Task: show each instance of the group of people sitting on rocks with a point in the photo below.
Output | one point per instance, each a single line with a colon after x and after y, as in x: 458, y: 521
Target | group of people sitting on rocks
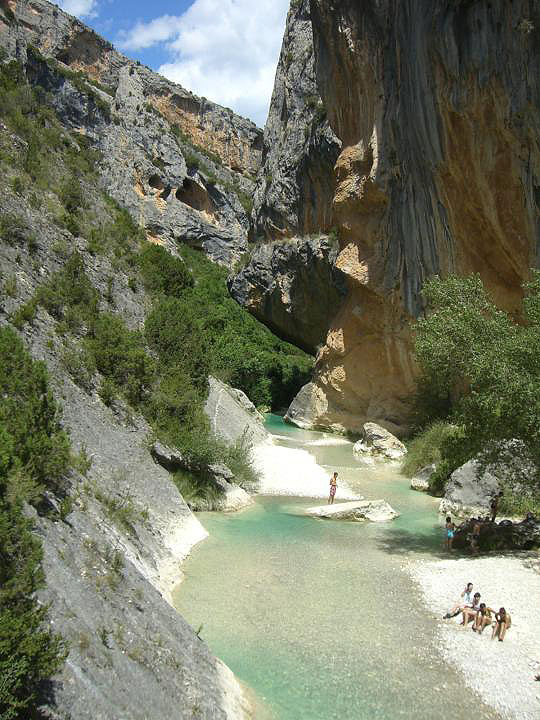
x: 481, y: 616
x: 476, y: 526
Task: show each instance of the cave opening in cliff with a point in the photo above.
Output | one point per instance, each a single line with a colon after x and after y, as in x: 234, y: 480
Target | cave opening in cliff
x: 194, y: 195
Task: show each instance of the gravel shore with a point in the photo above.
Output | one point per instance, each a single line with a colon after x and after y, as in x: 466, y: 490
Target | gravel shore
x: 501, y: 673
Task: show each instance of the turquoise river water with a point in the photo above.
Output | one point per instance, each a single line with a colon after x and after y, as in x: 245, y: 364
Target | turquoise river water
x: 320, y: 618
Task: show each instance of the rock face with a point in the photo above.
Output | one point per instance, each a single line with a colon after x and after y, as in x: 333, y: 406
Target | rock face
x: 410, y: 89
x: 469, y: 490
x: 232, y: 415
x: 177, y: 162
x: 378, y: 442
x: 110, y: 574
x: 294, y: 287
x: 295, y: 184
x: 421, y: 480
x: 373, y: 510
x: 472, y: 486
x: 505, y: 535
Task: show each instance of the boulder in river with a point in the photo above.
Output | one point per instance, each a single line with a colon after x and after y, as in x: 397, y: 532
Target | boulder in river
x: 373, y: 510
x: 232, y: 415
x: 469, y: 490
x: 421, y: 480
x: 379, y: 442
x: 505, y: 535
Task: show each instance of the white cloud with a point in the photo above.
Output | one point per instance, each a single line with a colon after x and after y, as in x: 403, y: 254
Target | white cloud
x: 226, y: 50
x: 79, y: 8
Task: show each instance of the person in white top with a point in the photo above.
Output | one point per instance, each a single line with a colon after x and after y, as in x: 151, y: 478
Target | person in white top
x: 466, y: 602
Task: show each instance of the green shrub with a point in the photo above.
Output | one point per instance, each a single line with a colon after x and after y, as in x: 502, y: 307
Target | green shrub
x: 13, y: 229
x: 69, y: 295
x: 427, y: 447
x: 238, y: 459
x: 10, y: 286
x: 120, y: 355
x: 198, y: 491
x: 480, y: 369
x: 34, y: 453
x: 162, y: 272
x: 24, y: 313
x: 30, y: 415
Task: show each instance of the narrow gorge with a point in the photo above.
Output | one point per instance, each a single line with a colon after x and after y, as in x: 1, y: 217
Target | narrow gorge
x: 202, y: 320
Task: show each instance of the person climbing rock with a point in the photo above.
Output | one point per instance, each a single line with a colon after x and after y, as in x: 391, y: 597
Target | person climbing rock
x: 475, y: 535
x: 333, y: 488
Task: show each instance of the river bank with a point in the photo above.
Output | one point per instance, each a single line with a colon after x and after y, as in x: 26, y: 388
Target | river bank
x: 501, y: 673
x: 321, y: 618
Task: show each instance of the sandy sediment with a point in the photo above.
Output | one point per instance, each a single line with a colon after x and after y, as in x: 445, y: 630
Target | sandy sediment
x: 502, y: 673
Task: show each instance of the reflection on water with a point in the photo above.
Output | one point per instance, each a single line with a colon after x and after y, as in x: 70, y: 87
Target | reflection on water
x: 317, y: 616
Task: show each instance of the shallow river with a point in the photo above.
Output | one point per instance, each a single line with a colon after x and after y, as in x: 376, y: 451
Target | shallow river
x: 319, y: 618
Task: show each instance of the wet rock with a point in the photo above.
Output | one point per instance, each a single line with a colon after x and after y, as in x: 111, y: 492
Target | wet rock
x: 421, y: 480
x: 373, y: 510
x: 505, y: 535
x: 379, y: 442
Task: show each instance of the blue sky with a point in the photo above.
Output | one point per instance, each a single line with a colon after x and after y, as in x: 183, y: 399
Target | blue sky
x: 221, y: 49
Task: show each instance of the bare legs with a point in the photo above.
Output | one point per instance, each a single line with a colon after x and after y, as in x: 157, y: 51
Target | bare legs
x: 499, y: 630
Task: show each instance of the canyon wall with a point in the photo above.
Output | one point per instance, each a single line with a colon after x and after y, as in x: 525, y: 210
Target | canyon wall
x: 181, y: 165
x: 436, y: 107
x: 290, y: 280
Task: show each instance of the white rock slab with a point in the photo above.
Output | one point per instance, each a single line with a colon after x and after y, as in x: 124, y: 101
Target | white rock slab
x: 373, y: 510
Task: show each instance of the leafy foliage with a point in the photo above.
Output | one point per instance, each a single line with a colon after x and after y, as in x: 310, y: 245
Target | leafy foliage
x: 427, y: 447
x: 34, y: 453
x: 120, y: 355
x: 480, y: 369
x: 163, y: 273
x: 243, y: 352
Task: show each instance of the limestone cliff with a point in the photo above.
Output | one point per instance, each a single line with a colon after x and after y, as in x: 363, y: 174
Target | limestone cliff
x: 290, y: 281
x: 436, y: 106
x: 295, y: 184
x: 180, y: 164
x: 294, y: 287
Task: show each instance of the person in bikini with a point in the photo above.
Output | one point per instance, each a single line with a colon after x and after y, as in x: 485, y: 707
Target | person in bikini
x: 502, y: 623
x: 333, y: 488
x: 450, y: 529
x: 483, y: 618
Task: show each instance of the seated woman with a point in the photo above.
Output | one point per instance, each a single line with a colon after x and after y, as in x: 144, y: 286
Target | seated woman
x: 503, y: 621
x: 483, y: 618
x: 469, y: 613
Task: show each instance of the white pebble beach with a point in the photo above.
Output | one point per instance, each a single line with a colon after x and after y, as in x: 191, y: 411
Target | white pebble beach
x: 502, y: 673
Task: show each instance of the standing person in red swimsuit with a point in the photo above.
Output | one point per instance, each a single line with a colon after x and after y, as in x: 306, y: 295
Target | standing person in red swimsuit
x: 333, y: 488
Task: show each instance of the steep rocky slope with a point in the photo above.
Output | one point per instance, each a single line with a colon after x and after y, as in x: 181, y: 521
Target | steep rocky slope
x: 179, y: 163
x: 76, y: 152
x: 436, y: 106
